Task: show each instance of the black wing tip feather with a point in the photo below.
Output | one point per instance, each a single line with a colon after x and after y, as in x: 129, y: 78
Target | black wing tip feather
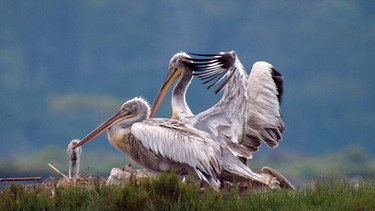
x: 212, y: 67
x: 223, y: 59
x: 203, y: 54
x: 279, y: 81
x: 213, y: 54
x: 254, y: 144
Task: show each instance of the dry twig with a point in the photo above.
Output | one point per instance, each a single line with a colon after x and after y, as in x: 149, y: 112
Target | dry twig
x: 62, y: 174
x: 19, y: 179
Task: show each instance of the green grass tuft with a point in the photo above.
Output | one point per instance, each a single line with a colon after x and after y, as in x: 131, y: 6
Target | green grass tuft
x: 167, y: 192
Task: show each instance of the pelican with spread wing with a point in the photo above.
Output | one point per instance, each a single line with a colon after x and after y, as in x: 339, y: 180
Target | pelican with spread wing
x: 249, y: 110
x: 171, y: 145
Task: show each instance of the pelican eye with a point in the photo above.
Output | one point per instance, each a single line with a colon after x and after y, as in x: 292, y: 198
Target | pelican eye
x: 129, y: 108
x: 125, y: 107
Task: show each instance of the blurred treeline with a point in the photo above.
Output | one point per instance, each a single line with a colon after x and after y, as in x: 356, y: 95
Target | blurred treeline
x: 65, y: 66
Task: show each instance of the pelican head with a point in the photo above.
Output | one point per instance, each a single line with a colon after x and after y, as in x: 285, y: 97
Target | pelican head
x: 134, y: 110
x: 177, y: 70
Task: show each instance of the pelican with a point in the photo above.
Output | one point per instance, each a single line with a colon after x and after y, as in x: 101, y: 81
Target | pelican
x: 248, y: 111
x: 74, y: 158
x: 171, y: 145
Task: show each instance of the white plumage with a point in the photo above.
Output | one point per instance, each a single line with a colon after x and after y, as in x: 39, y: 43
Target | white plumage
x: 171, y: 145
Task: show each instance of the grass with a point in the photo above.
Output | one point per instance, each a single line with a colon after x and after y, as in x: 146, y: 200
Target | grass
x: 166, y: 192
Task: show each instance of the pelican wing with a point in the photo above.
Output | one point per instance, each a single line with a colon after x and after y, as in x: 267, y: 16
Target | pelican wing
x: 225, y: 120
x: 252, y: 101
x: 181, y: 143
x: 264, y: 118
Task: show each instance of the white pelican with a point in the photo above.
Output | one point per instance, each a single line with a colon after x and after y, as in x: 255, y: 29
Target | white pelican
x: 170, y: 145
x: 249, y: 109
x: 74, y: 158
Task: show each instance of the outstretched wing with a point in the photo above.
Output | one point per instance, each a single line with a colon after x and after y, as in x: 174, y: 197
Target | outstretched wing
x: 181, y: 143
x: 252, y: 101
x: 225, y: 121
x: 264, y: 118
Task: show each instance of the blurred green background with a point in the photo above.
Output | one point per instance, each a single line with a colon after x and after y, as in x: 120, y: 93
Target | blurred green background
x: 65, y: 66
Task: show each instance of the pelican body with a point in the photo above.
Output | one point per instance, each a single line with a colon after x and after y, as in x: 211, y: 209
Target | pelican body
x: 248, y: 111
x: 171, y: 145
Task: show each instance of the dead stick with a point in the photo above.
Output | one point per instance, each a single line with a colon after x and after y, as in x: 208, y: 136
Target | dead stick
x: 50, y: 165
x: 20, y: 179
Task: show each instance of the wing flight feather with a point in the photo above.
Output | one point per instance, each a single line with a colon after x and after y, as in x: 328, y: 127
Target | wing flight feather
x: 179, y: 142
x: 264, y: 121
x: 226, y: 119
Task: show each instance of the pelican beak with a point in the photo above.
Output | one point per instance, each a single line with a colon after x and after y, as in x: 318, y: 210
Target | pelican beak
x: 117, y: 117
x: 173, y: 74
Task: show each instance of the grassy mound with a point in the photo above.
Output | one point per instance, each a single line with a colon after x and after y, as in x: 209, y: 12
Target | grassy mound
x: 166, y: 192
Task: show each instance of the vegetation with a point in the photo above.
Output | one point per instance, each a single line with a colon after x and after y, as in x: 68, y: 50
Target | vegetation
x: 167, y: 193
